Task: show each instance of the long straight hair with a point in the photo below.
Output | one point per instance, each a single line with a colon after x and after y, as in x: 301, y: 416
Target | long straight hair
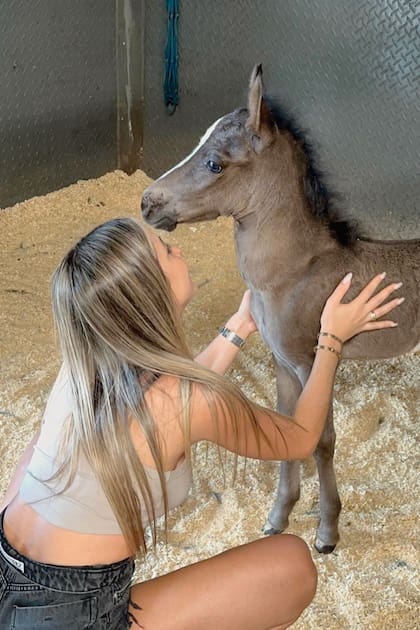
x: 118, y: 324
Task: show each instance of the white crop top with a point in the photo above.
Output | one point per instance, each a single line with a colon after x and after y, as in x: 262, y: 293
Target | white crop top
x: 83, y: 507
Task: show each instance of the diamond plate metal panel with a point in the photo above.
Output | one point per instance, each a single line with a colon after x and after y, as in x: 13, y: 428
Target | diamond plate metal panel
x: 348, y: 70
x: 386, y: 37
x: 58, y: 94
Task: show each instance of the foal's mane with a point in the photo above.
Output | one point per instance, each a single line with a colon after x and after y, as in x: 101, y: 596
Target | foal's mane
x: 322, y: 200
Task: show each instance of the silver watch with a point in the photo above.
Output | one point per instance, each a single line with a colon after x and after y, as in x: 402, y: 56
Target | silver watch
x: 232, y: 337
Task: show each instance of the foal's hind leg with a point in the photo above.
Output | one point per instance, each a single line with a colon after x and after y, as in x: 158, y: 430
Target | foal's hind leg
x: 329, y: 501
x: 288, y: 490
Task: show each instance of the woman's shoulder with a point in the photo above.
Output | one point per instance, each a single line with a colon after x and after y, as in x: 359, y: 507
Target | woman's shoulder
x: 167, y: 407
x: 163, y: 395
x: 164, y: 403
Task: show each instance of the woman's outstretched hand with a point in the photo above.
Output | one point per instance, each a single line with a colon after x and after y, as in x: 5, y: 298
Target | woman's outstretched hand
x: 362, y: 313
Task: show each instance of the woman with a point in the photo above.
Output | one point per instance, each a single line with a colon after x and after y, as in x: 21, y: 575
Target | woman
x: 113, y: 451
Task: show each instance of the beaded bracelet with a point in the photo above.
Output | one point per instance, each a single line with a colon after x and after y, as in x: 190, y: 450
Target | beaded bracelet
x: 327, y: 334
x: 330, y: 348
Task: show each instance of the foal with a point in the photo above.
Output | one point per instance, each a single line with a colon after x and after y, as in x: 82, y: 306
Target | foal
x: 292, y: 249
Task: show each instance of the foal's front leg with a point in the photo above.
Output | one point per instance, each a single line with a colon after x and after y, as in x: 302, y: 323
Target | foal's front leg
x: 329, y: 500
x: 289, y: 386
x: 288, y: 490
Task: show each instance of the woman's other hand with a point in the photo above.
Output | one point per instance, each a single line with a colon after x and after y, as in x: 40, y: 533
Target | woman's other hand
x: 244, y: 312
x: 363, y: 313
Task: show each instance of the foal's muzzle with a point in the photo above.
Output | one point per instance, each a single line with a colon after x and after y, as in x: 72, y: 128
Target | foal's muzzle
x: 156, y: 212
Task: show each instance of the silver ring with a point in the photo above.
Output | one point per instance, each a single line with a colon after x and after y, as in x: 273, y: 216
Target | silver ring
x: 372, y: 316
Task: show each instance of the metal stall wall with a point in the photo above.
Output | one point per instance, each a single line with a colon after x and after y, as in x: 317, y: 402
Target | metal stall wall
x: 349, y: 71
x: 58, y: 94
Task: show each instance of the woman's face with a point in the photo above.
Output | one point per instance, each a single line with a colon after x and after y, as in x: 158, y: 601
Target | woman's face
x: 175, y: 269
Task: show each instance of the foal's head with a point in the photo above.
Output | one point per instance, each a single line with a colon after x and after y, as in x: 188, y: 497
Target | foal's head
x: 251, y: 160
x: 220, y: 177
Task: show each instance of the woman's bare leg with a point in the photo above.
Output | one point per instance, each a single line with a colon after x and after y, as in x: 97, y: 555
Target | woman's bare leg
x: 264, y: 585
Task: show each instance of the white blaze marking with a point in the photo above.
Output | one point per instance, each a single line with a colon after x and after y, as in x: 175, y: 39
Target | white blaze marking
x: 200, y: 144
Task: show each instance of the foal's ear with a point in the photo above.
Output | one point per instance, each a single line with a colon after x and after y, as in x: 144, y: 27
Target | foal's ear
x: 259, y: 120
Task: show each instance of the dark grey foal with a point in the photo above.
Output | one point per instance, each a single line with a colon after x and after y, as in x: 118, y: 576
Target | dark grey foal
x: 292, y: 249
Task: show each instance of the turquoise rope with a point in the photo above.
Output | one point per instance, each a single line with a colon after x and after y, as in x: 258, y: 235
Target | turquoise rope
x: 170, y: 87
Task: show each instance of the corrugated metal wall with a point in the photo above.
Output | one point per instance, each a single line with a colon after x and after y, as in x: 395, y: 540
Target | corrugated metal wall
x: 58, y: 94
x: 348, y: 70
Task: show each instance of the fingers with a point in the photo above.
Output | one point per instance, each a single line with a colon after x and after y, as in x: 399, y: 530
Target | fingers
x: 341, y: 289
x: 380, y: 297
x: 246, y: 301
x: 379, y: 312
x: 363, y: 312
x: 376, y: 309
x: 378, y: 325
x: 366, y: 293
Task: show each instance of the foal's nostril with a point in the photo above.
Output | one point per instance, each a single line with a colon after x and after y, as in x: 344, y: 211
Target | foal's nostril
x: 146, y: 206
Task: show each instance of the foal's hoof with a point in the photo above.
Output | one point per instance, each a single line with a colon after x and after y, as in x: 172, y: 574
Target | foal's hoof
x: 269, y: 530
x: 322, y: 547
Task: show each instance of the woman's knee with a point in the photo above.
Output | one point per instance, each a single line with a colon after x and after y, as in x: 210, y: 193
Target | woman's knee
x: 296, y: 562
x: 302, y: 566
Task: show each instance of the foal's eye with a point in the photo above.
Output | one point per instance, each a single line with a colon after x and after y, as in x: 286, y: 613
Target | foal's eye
x: 213, y: 166
x: 168, y: 248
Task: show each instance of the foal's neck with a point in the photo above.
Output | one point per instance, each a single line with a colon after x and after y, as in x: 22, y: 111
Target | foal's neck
x: 280, y: 217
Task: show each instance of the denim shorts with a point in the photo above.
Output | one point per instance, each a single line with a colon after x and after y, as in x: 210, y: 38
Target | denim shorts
x: 36, y: 596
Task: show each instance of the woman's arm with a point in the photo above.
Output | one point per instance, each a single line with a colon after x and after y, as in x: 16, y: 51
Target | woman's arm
x: 19, y: 473
x: 280, y: 437
x: 277, y: 436
x: 220, y: 353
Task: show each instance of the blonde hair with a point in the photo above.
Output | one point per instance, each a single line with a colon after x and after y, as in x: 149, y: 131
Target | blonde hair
x: 117, y: 324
